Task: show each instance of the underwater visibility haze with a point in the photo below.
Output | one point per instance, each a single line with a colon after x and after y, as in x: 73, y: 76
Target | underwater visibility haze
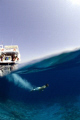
x: 59, y: 101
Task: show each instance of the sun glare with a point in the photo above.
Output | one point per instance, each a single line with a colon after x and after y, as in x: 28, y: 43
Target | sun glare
x: 75, y: 2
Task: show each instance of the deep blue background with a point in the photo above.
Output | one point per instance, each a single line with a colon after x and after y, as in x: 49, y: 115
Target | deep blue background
x: 62, y: 83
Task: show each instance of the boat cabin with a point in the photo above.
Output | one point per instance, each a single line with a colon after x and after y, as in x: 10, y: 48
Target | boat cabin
x: 9, y: 54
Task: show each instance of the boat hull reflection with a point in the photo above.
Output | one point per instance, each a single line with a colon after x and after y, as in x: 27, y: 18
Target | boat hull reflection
x: 7, y: 69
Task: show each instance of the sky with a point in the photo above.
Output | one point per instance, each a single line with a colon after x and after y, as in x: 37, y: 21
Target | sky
x: 40, y: 27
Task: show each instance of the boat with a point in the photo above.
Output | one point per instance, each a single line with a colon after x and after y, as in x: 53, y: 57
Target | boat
x: 9, y: 55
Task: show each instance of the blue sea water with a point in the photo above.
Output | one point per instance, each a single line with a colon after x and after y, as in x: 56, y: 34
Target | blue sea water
x: 60, y: 101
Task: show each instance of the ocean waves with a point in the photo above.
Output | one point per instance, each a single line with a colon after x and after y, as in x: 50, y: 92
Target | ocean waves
x: 63, y: 60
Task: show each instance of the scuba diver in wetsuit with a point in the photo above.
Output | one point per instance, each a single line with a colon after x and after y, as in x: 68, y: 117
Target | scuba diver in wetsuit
x: 40, y: 88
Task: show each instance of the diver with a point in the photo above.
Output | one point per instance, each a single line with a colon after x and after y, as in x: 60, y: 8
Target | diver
x: 40, y: 88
